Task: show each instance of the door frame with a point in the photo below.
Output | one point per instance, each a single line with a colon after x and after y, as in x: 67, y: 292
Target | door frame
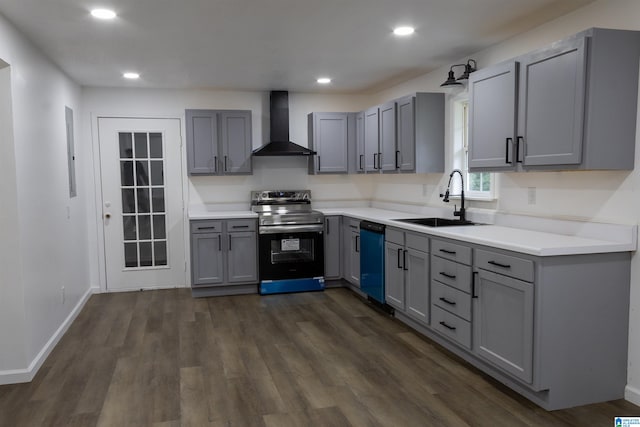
x: 96, y: 212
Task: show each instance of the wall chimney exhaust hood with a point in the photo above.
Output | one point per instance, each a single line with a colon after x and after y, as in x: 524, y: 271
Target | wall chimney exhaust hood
x: 279, y: 144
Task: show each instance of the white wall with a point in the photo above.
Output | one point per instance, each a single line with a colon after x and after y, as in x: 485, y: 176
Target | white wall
x: 48, y: 239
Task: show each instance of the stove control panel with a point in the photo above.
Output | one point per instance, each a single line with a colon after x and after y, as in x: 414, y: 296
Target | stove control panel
x: 281, y: 196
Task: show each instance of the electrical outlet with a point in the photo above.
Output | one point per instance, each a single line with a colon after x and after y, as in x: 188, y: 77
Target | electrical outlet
x: 62, y: 296
x: 531, y: 195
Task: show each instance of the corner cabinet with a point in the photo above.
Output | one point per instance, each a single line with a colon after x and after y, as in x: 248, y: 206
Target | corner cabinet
x: 558, y: 107
x: 329, y: 136
x: 218, y: 142
x: 224, y: 257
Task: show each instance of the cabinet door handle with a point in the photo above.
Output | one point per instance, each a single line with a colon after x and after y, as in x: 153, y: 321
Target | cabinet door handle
x: 404, y: 260
x: 448, y: 252
x: 357, y: 244
x: 473, y: 284
x: 219, y: 242
x: 379, y: 160
x: 206, y: 228
x: 319, y: 167
x: 449, y: 276
x: 215, y: 164
x: 326, y: 221
x: 374, y: 160
x: 497, y: 264
x: 518, y: 140
x: 446, y: 301
x: 451, y: 328
x: 361, y: 159
x: 229, y: 242
x: 397, y: 163
x: 399, y: 260
x: 506, y: 150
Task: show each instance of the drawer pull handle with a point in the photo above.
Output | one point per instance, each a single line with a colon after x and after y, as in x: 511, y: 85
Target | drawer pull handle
x: 448, y: 252
x: 239, y: 226
x: 446, y: 301
x: 497, y: 264
x: 206, y: 228
x: 451, y: 328
x: 448, y: 276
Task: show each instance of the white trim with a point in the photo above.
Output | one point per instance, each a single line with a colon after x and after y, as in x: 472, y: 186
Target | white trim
x: 632, y: 394
x: 15, y: 376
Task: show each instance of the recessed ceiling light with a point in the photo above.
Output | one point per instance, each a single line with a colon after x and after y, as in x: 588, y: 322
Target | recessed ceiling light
x: 131, y: 75
x: 403, y: 31
x: 324, y: 80
x: 103, y: 13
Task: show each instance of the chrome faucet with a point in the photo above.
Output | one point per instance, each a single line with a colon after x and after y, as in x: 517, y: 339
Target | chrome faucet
x: 445, y: 196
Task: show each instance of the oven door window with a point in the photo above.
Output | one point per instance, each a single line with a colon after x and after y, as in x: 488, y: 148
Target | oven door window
x: 292, y: 249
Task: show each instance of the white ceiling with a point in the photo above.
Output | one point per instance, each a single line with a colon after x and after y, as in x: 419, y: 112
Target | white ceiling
x: 269, y: 44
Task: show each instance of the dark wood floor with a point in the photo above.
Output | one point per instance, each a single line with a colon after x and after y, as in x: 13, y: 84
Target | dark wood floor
x: 162, y: 358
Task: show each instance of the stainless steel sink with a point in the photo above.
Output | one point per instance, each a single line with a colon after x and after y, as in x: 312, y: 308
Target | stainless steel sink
x: 436, y: 222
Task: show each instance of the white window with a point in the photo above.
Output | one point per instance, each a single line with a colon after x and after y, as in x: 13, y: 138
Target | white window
x: 478, y: 185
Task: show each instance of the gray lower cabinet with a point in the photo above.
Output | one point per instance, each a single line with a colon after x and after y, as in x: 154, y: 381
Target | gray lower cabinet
x: 553, y: 108
x: 218, y: 142
x: 351, y: 250
x: 332, y: 243
x: 223, y: 252
x: 329, y: 137
x: 407, y: 273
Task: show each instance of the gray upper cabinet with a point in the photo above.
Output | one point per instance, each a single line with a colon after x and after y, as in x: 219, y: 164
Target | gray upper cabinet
x: 235, y: 131
x: 492, y: 117
x: 219, y: 142
x: 406, y: 136
x: 371, y: 140
x: 329, y: 137
x: 387, y: 153
x: 358, y: 151
x: 573, y: 99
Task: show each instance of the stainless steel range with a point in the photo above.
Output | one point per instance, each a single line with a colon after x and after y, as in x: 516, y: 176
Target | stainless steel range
x: 290, y: 241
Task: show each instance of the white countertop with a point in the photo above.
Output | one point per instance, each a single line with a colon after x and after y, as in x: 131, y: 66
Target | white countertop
x: 512, y: 238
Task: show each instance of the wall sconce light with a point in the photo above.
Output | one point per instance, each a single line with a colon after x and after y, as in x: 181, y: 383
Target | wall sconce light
x: 468, y: 69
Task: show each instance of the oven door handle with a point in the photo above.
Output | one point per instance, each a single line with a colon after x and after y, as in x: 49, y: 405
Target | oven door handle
x: 301, y: 228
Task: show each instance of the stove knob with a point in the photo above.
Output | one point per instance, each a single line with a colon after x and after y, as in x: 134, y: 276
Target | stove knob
x: 264, y: 195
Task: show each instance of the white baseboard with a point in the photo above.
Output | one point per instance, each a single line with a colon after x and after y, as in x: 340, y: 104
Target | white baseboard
x: 632, y: 394
x: 15, y: 376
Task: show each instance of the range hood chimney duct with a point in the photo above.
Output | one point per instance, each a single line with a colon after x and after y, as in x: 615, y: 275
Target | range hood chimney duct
x: 279, y: 144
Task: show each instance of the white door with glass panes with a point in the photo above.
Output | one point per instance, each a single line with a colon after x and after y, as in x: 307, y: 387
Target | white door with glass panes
x: 142, y: 213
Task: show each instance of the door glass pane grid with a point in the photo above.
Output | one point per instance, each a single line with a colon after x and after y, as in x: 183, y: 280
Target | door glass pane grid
x: 143, y: 199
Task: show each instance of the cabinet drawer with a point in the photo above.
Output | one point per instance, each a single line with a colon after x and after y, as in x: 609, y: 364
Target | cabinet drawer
x: 451, y: 273
x: 452, y: 251
x: 451, y: 326
x: 394, y: 236
x: 206, y: 226
x: 417, y: 241
x: 451, y: 299
x: 241, y: 225
x: 352, y: 223
x: 508, y: 265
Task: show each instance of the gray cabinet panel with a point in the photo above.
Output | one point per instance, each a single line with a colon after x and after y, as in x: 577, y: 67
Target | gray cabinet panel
x: 371, y: 138
x: 329, y: 137
x: 451, y: 299
x: 394, y: 275
x: 406, y: 126
x: 242, y: 254
x: 218, y: 142
x: 453, y: 251
x: 332, y: 252
x: 451, y: 273
x: 202, y: 141
x: 387, y: 137
x: 417, y: 284
x: 492, y: 117
x: 207, y: 261
x: 359, y: 143
x: 509, y: 265
x: 503, y: 323
x: 351, y: 250
x: 551, y: 111
x: 451, y: 326
x: 236, y: 142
